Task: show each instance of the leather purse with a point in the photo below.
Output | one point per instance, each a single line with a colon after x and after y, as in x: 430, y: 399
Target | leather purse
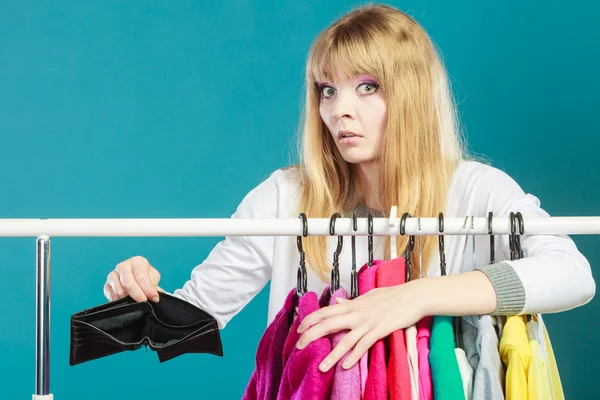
x: 171, y: 327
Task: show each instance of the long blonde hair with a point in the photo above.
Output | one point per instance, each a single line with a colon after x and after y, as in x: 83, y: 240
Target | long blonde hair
x: 421, y: 146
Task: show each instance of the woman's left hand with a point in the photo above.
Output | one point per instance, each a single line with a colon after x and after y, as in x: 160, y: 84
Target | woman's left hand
x: 368, y: 318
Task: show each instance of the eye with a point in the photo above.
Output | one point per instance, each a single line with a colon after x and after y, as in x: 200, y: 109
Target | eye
x: 327, y: 91
x: 368, y: 88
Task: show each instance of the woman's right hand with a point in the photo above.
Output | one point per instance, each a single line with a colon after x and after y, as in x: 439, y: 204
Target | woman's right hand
x: 134, y: 277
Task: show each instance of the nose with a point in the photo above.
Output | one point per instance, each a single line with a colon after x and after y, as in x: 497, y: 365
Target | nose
x: 343, y: 107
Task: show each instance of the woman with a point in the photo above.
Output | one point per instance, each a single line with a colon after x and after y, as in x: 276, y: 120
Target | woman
x: 379, y: 130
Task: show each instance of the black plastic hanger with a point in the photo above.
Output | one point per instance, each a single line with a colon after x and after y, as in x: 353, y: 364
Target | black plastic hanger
x: 410, y: 248
x: 354, y: 274
x: 301, y: 282
x: 442, y: 252
x: 335, y: 271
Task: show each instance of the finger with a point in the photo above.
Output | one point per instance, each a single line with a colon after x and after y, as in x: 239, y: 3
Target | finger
x: 322, y: 314
x: 109, y: 293
x: 325, y: 327
x: 363, y: 345
x: 343, y: 347
x: 129, y: 283
x: 141, y: 272
x: 114, y: 282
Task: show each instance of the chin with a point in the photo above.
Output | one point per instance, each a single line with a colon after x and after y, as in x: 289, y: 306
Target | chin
x: 356, y: 156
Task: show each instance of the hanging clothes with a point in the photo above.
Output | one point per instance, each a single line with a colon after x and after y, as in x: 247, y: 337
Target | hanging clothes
x: 410, y: 335
x: 466, y: 372
x: 399, y: 385
x: 445, y: 373
x: 346, y: 382
x: 265, y: 380
x: 367, y: 279
x: 516, y: 355
x: 556, y: 385
x: 480, y: 342
x: 537, y: 375
x: 423, y: 335
x: 376, y: 385
x: 302, y: 378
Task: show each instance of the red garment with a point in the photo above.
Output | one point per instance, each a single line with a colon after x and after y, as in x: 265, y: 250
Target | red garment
x: 366, y: 281
x: 393, y: 273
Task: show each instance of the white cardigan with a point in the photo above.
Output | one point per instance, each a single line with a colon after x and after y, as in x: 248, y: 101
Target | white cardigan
x: 554, y: 274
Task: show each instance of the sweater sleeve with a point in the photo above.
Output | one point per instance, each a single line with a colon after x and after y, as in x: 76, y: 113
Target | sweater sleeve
x: 238, y: 267
x: 553, y: 275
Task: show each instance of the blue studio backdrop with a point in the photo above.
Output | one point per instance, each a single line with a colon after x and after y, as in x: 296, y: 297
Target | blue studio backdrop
x: 128, y: 109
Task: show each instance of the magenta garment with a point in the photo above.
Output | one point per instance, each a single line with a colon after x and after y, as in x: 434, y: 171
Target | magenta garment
x: 367, y: 278
x: 346, y: 382
x: 423, y: 335
x: 264, y: 382
x: 302, y: 378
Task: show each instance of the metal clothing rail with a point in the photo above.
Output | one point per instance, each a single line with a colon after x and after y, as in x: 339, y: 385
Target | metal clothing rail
x: 43, y: 229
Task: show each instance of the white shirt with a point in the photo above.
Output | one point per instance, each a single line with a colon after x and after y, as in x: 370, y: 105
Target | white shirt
x: 555, y: 275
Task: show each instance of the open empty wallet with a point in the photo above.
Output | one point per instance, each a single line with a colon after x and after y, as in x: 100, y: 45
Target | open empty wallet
x: 171, y: 327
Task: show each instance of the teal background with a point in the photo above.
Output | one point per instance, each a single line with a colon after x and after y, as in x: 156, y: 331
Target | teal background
x: 130, y: 109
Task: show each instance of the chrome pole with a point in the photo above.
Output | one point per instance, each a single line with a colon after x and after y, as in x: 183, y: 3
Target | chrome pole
x: 42, y: 349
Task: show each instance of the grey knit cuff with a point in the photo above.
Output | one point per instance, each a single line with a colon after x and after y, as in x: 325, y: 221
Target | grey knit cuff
x: 510, y: 292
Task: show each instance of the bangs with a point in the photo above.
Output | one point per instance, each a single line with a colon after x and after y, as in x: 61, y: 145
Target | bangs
x: 348, y: 51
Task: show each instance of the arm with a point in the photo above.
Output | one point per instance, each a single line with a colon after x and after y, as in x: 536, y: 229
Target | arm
x: 552, y: 277
x: 238, y: 267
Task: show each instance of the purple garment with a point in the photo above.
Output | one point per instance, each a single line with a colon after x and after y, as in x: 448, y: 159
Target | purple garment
x: 302, y: 378
x: 367, y: 278
x: 264, y: 382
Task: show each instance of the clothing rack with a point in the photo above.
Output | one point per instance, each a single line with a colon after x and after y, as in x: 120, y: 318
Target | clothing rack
x: 43, y: 229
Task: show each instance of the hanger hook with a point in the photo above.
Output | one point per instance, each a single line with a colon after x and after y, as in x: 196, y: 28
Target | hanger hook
x: 410, y: 247
x: 442, y: 252
x: 370, y: 239
x: 301, y: 283
x: 353, y: 274
x: 521, y: 231
x: 335, y: 272
x: 490, y: 232
x: 511, y: 237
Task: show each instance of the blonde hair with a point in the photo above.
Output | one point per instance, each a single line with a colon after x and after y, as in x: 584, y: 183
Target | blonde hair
x: 421, y: 146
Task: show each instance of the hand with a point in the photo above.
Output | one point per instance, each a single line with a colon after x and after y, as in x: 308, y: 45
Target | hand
x: 368, y: 318
x: 134, y: 277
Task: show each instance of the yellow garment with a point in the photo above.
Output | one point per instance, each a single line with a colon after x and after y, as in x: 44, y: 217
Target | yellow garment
x: 555, y: 382
x: 538, y: 377
x: 516, y: 355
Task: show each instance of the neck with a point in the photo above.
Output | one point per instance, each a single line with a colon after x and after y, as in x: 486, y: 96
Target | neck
x: 368, y: 175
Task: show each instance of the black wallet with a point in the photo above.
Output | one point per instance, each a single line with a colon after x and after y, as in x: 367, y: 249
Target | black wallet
x: 171, y: 327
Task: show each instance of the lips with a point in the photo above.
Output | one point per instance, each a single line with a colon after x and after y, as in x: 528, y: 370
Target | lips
x: 346, y: 134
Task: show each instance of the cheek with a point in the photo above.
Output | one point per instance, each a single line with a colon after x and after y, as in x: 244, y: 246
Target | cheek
x: 378, y: 112
x: 325, y: 115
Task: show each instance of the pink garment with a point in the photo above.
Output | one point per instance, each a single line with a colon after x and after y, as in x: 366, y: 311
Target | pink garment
x: 302, y: 378
x: 399, y: 387
x: 423, y: 335
x: 376, y: 385
x: 346, y: 382
x: 366, y: 281
x: 264, y: 382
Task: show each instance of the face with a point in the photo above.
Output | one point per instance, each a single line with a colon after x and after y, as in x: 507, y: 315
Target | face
x: 355, y: 113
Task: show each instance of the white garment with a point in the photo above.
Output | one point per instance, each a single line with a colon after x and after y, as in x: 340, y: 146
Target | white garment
x: 555, y: 275
x: 410, y: 337
x: 466, y: 372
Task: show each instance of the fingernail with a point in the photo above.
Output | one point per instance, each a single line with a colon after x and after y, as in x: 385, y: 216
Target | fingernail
x: 346, y: 364
x: 299, y: 345
x: 155, y: 299
x: 324, y: 366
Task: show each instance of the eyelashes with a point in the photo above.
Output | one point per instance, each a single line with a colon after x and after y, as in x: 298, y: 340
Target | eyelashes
x: 327, y: 90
